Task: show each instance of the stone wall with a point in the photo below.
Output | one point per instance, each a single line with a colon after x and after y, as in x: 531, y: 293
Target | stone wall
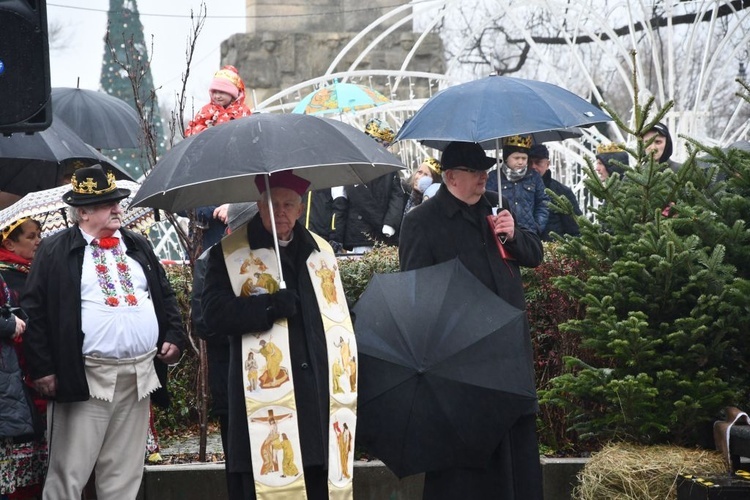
x: 314, y: 15
x: 271, y: 61
x: 290, y: 43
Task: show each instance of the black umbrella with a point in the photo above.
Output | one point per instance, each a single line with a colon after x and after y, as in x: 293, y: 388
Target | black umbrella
x: 220, y: 164
x: 32, y: 162
x: 100, y: 119
x: 445, y: 369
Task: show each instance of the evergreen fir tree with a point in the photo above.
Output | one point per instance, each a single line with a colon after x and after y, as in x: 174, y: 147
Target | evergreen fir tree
x: 665, y: 299
x: 129, y: 49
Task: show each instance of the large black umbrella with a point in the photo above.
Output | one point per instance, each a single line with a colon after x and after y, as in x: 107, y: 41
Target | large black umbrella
x: 100, y: 119
x: 220, y: 164
x: 445, y: 369
x: 32, y: 162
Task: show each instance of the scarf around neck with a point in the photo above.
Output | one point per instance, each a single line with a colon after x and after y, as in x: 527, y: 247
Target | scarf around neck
x: 514, y: 175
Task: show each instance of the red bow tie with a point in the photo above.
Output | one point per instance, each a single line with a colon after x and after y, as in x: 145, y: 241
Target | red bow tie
x: 106, y: 243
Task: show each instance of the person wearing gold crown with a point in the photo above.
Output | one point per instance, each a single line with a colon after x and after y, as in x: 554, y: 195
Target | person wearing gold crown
x: 610, y: 159
x: 103, y: 326
x: 307, y: 324
x: 364, y: 214
x: 521, y: 185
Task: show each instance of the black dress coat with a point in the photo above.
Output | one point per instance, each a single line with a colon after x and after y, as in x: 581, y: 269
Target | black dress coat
x: 441, y: 229
x: 560, y: 223
x: 226, y: 314
x: 358, y: 218
x: 53, y: 340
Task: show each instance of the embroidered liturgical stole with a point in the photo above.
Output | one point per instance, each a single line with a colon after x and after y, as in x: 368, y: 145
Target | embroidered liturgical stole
x: 269, y: 384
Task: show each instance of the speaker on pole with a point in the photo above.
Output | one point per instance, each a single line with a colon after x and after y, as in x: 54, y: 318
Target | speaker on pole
x: 24, y: 67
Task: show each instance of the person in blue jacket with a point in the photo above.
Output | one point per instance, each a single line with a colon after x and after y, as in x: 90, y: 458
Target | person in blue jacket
x: 521, y: 185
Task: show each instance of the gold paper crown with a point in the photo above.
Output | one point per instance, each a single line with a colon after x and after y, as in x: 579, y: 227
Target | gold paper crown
x: 380, y: 130
x: 12, y: 227
x: 89, y: 186
x: 519, y: 141
x: 612, y: 147
x: 434, y: 165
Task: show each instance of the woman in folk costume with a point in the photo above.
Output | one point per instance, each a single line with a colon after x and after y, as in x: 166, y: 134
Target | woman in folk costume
x: 22, y: 464
x: 227, y: 93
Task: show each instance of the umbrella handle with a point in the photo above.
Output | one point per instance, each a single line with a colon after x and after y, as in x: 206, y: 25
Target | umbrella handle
x: 500, y: 247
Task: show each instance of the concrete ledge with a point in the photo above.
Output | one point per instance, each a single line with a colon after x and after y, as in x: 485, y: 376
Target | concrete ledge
x: 372, y: 481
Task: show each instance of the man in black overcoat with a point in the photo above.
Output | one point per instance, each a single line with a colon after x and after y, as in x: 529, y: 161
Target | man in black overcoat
x: 454, y: 224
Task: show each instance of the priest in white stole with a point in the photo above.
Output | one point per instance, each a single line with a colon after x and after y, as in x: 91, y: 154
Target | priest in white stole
x: 285, y: 333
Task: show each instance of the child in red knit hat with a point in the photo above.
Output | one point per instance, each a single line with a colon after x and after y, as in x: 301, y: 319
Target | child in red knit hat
x: 227, y: 92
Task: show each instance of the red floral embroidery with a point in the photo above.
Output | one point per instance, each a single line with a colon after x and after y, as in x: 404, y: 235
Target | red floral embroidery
x: 123, y: 272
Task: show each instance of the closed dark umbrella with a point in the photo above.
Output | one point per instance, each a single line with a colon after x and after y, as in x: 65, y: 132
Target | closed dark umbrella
x: 35, y: 162
x: 101, y: 120
x: 445, y: 369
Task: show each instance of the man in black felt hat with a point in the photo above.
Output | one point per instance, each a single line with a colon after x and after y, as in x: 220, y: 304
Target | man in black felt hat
x: 106, y: 325
x: 454, y: 224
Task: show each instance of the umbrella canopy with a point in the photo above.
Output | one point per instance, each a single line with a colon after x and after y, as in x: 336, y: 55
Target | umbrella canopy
x: 32, y: 162
x: 101, y: 120
x: 498, y: 106
x: 219, y: 165
x: 340, y: 98
x: 48, y: 208
x: 445, y: 369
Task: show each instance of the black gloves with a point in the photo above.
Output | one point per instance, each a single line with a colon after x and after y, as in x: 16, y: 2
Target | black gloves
x: 283, y: 305
x: 336, y: 246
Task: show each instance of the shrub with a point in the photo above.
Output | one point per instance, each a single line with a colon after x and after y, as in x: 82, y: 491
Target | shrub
x: 663, y: 314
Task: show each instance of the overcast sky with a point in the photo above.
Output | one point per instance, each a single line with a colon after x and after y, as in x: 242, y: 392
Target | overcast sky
x: 78, y: 51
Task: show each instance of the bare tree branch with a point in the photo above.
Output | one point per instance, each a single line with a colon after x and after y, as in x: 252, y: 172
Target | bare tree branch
x: 657, y: 21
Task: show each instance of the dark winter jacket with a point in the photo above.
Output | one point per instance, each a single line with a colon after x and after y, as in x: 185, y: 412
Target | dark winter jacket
x: 15, y: 412
x: 560, y: 223
x: 53, y: 340
x: 318, y: 214
x: 227, y: 314
x: 358, y: 219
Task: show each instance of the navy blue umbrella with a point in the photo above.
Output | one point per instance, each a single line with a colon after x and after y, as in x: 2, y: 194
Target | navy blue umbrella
x: 484, y: 110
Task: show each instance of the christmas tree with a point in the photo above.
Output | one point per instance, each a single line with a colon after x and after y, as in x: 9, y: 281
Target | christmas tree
x: 125, y: 69
x: 664, y: 287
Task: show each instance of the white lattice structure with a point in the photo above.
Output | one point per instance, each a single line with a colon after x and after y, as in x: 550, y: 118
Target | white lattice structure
x: 691, y: 63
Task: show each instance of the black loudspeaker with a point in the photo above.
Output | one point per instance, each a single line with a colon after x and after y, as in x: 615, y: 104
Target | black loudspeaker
x: 24, y: 67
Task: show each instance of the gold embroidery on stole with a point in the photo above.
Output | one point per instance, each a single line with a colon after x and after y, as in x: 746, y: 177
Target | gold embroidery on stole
x: 268, y: 380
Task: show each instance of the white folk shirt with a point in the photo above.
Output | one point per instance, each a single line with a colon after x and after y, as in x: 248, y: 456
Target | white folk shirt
x: 123, y: 331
